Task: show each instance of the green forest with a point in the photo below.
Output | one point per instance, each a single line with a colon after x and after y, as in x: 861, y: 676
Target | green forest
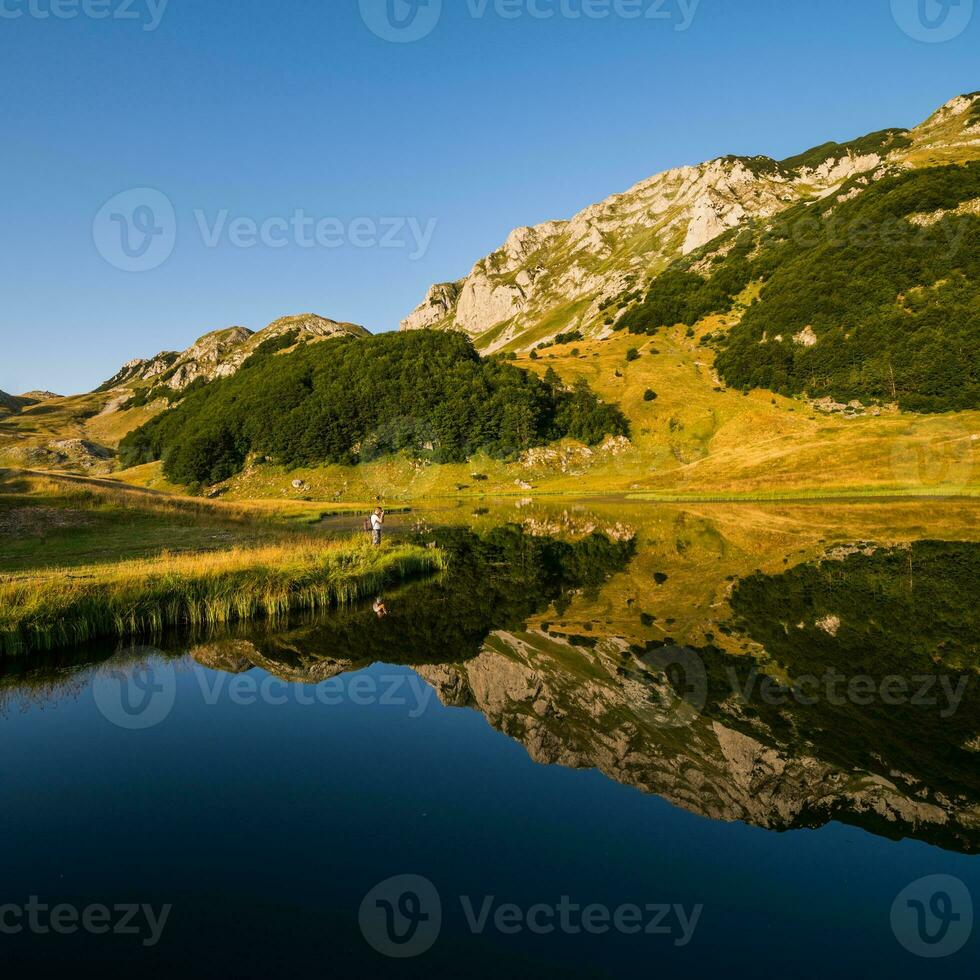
x: 353, y: 400
x: 894, y: 303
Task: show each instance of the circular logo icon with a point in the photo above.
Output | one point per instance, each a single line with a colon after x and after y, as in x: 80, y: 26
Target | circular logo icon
x: 933, y: 21
x: 933, y: 917
x: 138, y: 696
x: 401, y: 21
x: 136, y: 231
x: 401, y: 917
x: 942, y: 459
x: 683, y: 691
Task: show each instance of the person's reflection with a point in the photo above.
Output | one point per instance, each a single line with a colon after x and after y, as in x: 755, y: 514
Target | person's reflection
x: 380, y: 609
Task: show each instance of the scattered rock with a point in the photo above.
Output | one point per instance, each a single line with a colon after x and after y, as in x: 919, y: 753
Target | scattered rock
x: 829, y: 624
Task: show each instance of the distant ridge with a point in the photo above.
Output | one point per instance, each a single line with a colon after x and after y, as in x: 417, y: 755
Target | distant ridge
x: 221, y: 353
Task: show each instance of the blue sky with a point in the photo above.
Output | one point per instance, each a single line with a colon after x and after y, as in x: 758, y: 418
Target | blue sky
x: 414, y: 158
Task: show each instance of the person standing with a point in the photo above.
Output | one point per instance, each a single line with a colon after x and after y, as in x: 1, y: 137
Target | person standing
x: 377, y: 524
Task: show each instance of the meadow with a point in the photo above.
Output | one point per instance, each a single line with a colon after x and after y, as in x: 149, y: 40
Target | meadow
x: 696, y: 439
x: 81, y: 561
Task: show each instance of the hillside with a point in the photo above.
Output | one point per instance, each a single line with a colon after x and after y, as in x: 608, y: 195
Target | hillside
x: 10, y: 403
x: 81, y: 432
x: 580, y: 275
x: 221, y: 353
x: 767, y: 328
x: 347, y: 401
x: 872, y: 296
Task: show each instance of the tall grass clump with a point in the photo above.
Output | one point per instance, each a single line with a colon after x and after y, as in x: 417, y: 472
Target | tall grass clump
x: 44, y: 610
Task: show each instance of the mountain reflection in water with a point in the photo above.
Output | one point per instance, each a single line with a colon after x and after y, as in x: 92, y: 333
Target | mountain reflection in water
x: 783, y: 674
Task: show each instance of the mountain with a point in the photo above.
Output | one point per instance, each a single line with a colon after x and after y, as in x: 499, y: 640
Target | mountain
x: 10, y: 403
x: 80, y: 432
x: 221, y: 353
x: 39, y: 396
x: 871, y: 294
x: 427, y: 393
x: 776, y: 327
x: 582, y: 275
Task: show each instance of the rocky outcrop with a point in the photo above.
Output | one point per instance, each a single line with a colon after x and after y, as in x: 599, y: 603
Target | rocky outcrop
x: 440, y: 302
x: 73, y: 454
x: 609, y: 248
x: 566, y: 275
x: 221, y: 353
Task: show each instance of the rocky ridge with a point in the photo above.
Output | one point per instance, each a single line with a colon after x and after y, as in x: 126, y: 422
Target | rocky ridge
x: 567, y: 275
x: 221, y: 353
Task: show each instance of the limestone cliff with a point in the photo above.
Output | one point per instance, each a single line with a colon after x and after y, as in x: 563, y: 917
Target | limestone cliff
x: 563, y: 276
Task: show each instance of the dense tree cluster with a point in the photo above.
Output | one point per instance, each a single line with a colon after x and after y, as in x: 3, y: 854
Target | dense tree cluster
x: 887, y: 283
x: 352, y: 400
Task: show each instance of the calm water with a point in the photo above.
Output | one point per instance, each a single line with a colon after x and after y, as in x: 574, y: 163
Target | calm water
x: 609, y: 740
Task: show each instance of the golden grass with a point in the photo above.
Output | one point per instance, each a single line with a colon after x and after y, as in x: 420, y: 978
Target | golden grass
x: 696, y: 440
x: 97, y: 493
x: 44, y: 610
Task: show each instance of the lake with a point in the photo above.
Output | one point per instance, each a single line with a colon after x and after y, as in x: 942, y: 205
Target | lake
x: 613, y: 738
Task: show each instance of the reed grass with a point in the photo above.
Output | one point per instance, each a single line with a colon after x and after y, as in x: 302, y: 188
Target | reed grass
x: 43, y: 610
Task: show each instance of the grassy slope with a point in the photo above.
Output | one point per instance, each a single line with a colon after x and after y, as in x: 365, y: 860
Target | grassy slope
x: 55, y: 520
x: 73, y: 417
x: 693, y: 441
